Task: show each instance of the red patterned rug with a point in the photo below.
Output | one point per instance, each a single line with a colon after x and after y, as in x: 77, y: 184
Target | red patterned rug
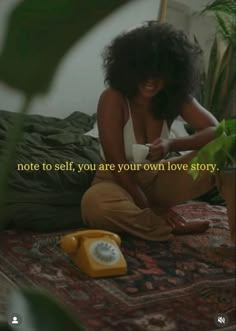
x: 180, y: 285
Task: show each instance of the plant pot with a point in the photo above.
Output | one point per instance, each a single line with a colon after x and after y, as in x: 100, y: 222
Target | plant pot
x: 226, y: 183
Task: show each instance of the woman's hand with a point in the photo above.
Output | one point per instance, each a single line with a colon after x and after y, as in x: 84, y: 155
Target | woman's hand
x: 158, y: 149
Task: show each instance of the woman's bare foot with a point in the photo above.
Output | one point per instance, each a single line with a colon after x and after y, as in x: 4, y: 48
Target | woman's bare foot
x: 191, y: 227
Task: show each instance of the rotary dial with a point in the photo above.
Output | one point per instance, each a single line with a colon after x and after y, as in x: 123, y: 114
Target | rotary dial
x: 104, y: 252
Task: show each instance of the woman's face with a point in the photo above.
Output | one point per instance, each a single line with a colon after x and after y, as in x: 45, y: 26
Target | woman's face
x: 150, y: 87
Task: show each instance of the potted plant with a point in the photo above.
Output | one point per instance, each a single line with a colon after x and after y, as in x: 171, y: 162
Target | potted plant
x: 221, y: 151
x: 217, y: 94
x: 219, y: 82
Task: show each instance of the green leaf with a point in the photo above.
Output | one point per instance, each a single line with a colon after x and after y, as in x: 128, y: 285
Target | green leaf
x: 40, y: 33
x: 210, y: 76
x: 220, y: 80
x: 230, y: 126
x: 40, y: 312
x: 220, y: 129
x: 4, y: 326
x: 214, y: 70
x: 220, y: 150
x: 225, y: 14
x: 227, y: 7
x: 222, y: 25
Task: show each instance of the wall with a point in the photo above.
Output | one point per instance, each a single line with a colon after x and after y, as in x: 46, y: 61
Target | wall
x: 79, y: 80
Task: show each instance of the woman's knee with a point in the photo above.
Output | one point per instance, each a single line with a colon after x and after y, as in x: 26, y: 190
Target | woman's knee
x: 91, y: 206
x: 96, y: 212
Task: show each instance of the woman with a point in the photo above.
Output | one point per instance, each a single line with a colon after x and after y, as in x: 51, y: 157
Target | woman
x: 151, y: 72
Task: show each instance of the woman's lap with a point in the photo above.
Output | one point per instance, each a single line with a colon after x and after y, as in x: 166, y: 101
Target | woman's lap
x: 106, y: 205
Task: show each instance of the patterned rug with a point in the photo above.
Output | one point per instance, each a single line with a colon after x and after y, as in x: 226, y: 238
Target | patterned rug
x: 180, y: 285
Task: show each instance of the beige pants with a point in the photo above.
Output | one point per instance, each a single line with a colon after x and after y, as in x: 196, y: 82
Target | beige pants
x: 106, y: 205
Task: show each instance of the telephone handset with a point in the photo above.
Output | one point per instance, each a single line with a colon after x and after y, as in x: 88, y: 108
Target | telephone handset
x: 96, y: 252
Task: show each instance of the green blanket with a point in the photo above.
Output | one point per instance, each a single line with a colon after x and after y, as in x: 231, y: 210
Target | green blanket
x: 49, y: 199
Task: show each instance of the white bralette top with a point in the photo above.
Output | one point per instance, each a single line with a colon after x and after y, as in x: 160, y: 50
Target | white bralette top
x: 129, y: 136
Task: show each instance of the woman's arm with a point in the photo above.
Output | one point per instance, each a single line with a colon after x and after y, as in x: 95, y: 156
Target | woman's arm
x: 110, y: 118
x: 203, y: 122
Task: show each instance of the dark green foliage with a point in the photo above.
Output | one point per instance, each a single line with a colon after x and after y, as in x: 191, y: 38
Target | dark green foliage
x: 220, y: 80
x: 221, y: 150
x: 40, y: 33
x: 40, y: 312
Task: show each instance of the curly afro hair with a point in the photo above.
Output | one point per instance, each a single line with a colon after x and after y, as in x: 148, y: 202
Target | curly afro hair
x: 154, y: 50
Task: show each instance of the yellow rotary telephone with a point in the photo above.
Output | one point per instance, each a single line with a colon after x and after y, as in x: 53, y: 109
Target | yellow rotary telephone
x: 96, y: 252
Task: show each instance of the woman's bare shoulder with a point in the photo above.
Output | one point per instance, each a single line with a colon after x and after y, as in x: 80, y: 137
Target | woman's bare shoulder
x: 110, y: 96
x: 111, y: 108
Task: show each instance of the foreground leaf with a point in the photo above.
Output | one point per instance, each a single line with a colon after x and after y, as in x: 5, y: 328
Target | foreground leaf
x: 40, y: 33
x: 4, y: 327
x: 40, y: 312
